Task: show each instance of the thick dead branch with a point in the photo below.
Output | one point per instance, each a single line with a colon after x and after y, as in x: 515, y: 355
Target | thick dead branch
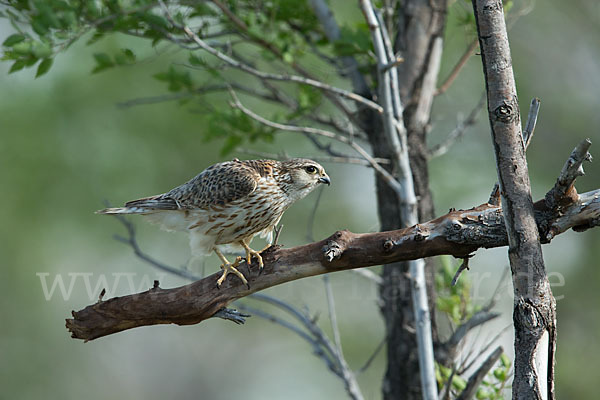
x: 458, y: 233
x: 564, y: 191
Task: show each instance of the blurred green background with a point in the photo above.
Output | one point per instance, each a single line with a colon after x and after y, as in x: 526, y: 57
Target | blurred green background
x: 66, y: 147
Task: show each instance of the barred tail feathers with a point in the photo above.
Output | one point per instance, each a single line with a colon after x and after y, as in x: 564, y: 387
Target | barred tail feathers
x: 124, y: 210
x: 147, y: 205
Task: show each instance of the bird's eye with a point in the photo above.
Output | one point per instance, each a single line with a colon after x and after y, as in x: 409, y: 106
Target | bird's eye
x: 311, y: 169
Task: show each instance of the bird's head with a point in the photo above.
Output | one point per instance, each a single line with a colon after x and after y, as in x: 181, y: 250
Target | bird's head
x: 302, y: 176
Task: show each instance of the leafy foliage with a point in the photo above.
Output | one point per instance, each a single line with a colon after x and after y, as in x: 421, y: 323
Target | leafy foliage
x: 235, y: 127
x: 455, y: 301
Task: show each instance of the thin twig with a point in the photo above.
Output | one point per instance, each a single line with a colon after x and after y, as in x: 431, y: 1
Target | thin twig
x: 199, y: 91
x: 458, y: 131
x: 476, y: 379
x: 340, y: 159
x: 313, y: 214
x: 457, y: 68
x: 368, y: 274
x: 445, y: 395
x: 332, y: 315
x: 321, y: 132
x: 532, y: 117
x: 479, y: 318
x: 316, y: 345
x: 464, y: 265
x: 485, y: 348
x: 132, y: 242
x: 372, y: 357
x: 333, y: 33
x: 265, y: 75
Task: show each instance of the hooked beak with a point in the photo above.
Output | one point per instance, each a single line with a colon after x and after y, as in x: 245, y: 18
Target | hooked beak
x: 325, y: 179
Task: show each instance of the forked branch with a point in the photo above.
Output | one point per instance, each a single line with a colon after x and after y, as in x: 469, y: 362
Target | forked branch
x: 458, y: 233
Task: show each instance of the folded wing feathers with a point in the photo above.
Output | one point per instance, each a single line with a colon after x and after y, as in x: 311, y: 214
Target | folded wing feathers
x: 143, y: 206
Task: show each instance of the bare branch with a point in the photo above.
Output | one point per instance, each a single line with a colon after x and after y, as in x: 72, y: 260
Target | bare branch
x: 479, y: 318
x: 372, y: 357
x: 457, y: 68
x: 564, y: 191
x: 464, y: 265
x: 534, y: 109
x: 317, y: 346
x: 332, y: 315
x: 368, y: 274
x: 342, y: 159
x: 458, y: 233
x: 132, y: 242
x: 476, y: 379
x: 199, y: 91
x: 489, y: 343
x: 349, y: 378
x: 458, y: 131
x: 322, y: 345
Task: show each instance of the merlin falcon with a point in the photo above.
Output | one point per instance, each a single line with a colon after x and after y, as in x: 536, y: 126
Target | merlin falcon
x: 229, y: 203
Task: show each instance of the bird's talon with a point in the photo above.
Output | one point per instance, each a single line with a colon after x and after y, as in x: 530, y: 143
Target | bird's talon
x: 231, y: 268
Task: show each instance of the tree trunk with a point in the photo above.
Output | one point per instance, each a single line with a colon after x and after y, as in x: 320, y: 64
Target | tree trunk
x: 534, y: 312
x: 419, y: 40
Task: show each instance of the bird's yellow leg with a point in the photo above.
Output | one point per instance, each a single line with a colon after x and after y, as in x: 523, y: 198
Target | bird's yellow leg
x: 228, y: 267
x: 250, y: 253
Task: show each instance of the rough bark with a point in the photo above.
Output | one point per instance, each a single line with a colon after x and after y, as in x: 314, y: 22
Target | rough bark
x: 534, y: 313
x: 420, y: 26
x: 458, y: 233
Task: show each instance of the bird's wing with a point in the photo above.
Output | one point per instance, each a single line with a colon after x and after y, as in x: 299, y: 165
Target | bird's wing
x: 217, y: 185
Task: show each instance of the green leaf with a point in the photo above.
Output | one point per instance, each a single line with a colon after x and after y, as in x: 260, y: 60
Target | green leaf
x: 17, y: 65
x: 230, y: 144
x: 155, y: 20
x: 44, y: 67
x: 500, y: 374
x: 125, y: 57
x: 459, y: 383
x: 23, y: 48
x: 176, y: 80
x: 39, y: 26
x: 41, y: 50
x: 288, y: 57
x: 196, y: 61
x: 353, y: 41
x: 103, y: 61
x: 505, y: 361
x: 14, y: 39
